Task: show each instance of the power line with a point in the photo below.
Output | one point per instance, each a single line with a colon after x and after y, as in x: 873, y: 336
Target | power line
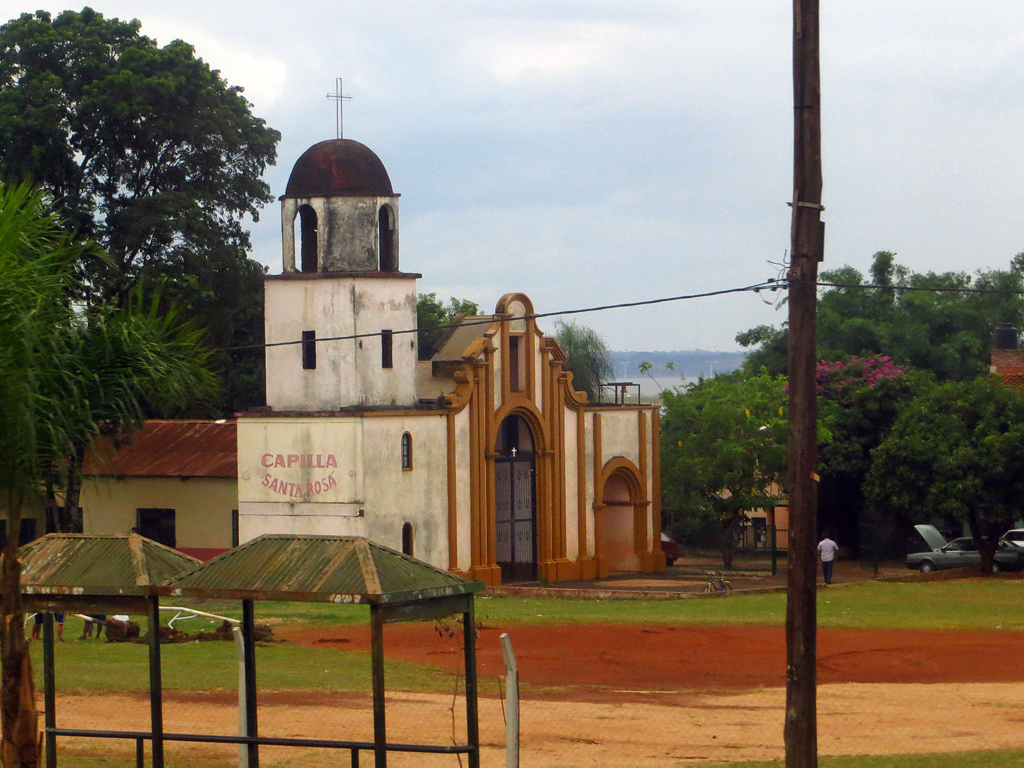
x: 918, y: 288
x: 770, y: 285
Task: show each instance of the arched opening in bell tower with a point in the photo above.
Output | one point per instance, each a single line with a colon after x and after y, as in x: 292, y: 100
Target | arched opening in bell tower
x: 386, y: 239
x: 307, y: 239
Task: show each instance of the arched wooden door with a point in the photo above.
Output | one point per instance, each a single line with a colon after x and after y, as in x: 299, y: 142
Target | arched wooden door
x: 618, y: 524
x: 515, y: 501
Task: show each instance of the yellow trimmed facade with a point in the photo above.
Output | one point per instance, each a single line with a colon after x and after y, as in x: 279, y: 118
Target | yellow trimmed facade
x: 484, y: 460
x: 594, y: 467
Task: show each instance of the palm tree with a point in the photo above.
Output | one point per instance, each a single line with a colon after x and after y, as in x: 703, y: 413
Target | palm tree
x: 35, y: 268
x: 586, y: 356
x: 135, y: 362
x: 67, y: 374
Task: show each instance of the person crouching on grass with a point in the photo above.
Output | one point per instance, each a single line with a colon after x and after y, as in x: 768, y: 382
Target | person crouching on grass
x: 99, y: 619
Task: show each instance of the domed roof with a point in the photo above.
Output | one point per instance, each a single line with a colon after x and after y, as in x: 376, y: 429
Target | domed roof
x: 339, y: 168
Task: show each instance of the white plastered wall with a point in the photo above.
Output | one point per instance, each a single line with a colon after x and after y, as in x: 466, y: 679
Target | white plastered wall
x: 300, y: 475
x: 572, y: 539
x: 395, y: 496
x: 462, y: 490
x: 362, y: 491
x: 348, y: 371
x: 588, y: 480
x: 619, y: 437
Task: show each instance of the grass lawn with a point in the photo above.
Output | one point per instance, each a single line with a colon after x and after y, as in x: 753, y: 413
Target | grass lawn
x: 89, y: 664
x: 212, y: 666
x: 967, y: 604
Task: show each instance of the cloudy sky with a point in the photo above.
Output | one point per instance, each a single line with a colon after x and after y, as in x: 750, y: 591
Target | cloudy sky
x: 592, y: 152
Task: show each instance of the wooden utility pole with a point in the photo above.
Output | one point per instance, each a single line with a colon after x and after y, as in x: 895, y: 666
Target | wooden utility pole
x: 801, y: 731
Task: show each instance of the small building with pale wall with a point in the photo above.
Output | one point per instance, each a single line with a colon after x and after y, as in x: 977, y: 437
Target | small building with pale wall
x: 484, y: 460
x: 174, y: 482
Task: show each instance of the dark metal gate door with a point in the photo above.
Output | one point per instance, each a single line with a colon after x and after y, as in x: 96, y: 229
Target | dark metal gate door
x: 515, y: 513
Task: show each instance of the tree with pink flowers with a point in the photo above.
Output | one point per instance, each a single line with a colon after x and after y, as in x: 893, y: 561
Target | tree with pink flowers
x: 859, y: 401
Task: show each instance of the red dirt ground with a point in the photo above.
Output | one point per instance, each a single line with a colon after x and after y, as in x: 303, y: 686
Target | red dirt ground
x: 624, y: 695
x: 602, y: 662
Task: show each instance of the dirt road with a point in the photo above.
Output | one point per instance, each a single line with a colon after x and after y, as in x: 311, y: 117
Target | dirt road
x: 602, y: 695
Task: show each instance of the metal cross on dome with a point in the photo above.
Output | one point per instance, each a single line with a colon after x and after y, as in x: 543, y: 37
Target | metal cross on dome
x: 339, y: 97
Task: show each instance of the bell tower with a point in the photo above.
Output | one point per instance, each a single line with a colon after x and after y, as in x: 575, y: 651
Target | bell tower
x: 341, y: 318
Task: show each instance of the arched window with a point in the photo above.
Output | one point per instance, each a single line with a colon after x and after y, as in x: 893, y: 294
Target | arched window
x: 386, y: 239
x: 515, y: 438
x: 407, y: 451
x: 307, y: 239
x: 407, y: 540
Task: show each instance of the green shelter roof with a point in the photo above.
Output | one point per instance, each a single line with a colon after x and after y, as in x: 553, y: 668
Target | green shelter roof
x: 90, y: 564
x: 335, y: 569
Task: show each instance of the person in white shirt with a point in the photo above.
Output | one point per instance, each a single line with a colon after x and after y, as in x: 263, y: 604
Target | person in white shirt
x: 827, y: 552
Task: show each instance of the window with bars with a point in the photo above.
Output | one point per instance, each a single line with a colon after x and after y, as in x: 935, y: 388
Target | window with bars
x: 407, y: 451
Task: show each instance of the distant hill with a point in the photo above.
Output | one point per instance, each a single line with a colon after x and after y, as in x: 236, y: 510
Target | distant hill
x: 689, y: 363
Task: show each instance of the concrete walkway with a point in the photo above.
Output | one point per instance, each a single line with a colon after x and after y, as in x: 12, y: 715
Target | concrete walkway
x: 688, y: 576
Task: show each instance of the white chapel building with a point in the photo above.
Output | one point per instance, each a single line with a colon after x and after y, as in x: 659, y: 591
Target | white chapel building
x: 484, y: 460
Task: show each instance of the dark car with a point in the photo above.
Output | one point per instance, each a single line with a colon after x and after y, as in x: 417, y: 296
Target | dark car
x: 671, y: 549
x: 961, y: 553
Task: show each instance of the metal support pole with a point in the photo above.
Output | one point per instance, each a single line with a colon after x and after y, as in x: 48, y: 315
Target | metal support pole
x: 156, y: 695
x: 472, y: 712
x: 380, y: 740
x: 243, y: 720
x: 49, y: 692
x: 251, y: 723
x: 775, y: 551
x: 512, y: 699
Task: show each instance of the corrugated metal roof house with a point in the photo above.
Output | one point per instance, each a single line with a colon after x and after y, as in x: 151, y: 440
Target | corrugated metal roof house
x: 165, y: 448
x: 175, y: 482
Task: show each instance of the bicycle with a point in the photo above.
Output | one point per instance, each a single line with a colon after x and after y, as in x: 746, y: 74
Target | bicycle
x: 716, y: 583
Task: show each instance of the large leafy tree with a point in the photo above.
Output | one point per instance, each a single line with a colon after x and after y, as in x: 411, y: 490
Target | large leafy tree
x: 946, y: 327
x: 586, y: 355
x: 151, y: 153
x: 67, y: 374
x: 723, y: 451
x: 956, y: 450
